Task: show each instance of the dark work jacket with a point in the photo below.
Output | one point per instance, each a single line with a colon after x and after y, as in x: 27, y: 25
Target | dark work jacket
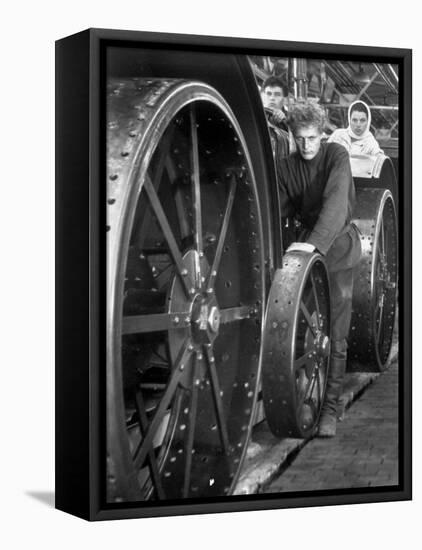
x: 321, y: 193
x: 279, y: 142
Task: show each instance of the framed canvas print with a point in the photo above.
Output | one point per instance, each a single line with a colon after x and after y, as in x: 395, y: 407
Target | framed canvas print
x: 233, y: 274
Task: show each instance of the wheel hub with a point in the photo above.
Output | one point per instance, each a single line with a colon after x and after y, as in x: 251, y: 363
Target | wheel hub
x: 200, y: 307
x: 322, y: 344
x: 205, y: 319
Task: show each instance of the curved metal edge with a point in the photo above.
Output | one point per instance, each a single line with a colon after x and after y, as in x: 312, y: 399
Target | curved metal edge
x: 370, y: 166
x: 280, y: 332
x: 375, y: 172
x: 176, y: 96
x: 387, y: 196
x: 370, y: 204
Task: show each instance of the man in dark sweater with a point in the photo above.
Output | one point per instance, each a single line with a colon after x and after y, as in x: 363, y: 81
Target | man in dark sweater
x: 273, y: 93
x: 316, y: 186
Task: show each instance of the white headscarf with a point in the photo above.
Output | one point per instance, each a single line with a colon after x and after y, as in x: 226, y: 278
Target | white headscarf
x: 368, y: 127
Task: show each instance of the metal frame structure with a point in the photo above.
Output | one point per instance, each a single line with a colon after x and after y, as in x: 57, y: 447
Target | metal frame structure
x: 336, y: 84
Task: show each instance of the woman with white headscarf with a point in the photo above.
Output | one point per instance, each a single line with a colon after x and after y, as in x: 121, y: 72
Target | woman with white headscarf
x: 357, y: 138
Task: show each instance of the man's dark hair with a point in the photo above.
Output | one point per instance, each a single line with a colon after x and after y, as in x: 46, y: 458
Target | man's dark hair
x: 360, y: 108
x: 303, y: 115
x: 275, y: 81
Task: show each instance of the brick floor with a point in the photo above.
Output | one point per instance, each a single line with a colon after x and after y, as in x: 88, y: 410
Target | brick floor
x: 364, y: 452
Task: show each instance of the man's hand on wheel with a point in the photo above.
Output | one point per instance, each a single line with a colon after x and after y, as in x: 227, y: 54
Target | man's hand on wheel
x: 278, y: 116
x: 301, y: 247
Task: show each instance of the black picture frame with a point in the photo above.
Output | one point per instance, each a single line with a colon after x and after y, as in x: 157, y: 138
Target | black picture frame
x: 81, y: 278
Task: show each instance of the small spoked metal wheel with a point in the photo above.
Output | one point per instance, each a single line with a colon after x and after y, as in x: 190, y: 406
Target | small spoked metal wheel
x: 185, y: 292
x: 296, y: 345
x: 375, y: 282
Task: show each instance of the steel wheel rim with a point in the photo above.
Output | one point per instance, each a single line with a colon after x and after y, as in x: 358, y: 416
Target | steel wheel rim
x: 375, y: 282
x: 384, y: 280
x: 295, y: 367
x: 182, y: 101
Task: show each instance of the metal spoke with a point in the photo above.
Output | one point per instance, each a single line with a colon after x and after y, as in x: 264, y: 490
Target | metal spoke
x: 299, y: 363
x: 311, y: 403
x: 143, y: 424
x: 196, y: 182
x: 218, y: 403
x: 177, y: 372
x: 164, y: 156
x: 382, y: 236
x: 157, y: 177
x: 319, y: 386
x: 223, y: 232
x: 308, y: 317
x: 179, y: 200
x: 168, y: 233
x: 156, y: 322
x: 314, y: 291
x: 232, y: 314
x: 311, y: 382
x: 378, y: 316
x: 380, y: 286
x: 191, y: 433
x: 381, y: 244
x: 380, y: 328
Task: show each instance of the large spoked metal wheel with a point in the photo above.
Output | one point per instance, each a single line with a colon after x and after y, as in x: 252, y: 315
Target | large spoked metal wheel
x: 375, y: 283
x: 185, y: 292
x: 296, y: 345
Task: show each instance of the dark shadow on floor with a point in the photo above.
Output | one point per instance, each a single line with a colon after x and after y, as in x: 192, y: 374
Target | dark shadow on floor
x: 46, y: 497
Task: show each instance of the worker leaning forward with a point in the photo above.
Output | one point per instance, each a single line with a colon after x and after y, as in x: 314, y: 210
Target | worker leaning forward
x: 317, y: 187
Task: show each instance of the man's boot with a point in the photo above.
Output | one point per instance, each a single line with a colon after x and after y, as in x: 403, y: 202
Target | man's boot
x: 328, y: 419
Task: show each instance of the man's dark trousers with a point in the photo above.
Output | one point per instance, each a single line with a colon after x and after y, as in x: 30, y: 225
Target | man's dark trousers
x: 341, y: 290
